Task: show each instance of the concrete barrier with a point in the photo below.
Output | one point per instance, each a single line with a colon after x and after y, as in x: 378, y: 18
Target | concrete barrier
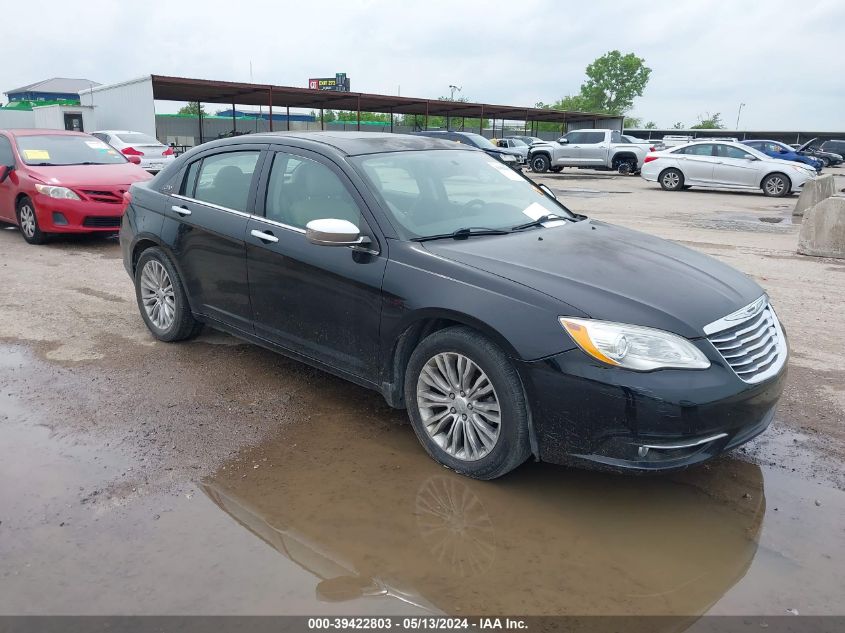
x: 814, y: 191
x: 823, y: 229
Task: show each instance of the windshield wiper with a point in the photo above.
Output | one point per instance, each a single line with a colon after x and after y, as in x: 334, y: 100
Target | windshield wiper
x: 462, y: 234
x: 539, y: 221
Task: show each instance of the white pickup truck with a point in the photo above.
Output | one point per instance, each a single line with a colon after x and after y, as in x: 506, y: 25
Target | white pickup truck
x: 595, y: 149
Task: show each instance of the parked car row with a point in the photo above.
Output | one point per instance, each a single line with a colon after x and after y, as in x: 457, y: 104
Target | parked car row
x: 512, y: 157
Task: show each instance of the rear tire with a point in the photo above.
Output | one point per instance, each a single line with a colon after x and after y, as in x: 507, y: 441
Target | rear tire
x: 161, y: 298
x: 776, y: 185
x: 469, y: 392
x: 28, y: 222
x: 540, y: 163
x: 671, y: 179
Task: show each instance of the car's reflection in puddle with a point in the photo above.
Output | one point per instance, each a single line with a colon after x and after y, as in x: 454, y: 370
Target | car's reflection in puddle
x: 360, y: 506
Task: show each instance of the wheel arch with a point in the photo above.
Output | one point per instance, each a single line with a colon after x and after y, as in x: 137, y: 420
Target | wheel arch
x: 772, y: 173
x: 623, y: 154
x: 414, y: 328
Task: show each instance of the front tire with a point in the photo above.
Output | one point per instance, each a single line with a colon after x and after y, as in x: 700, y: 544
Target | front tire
x: 466, y: 404
x: 161, y: 298
x: 28, y: 222
x: 776, y: 185
x: 671, y: 179
x: 825, y: 162
x: 540, y: 163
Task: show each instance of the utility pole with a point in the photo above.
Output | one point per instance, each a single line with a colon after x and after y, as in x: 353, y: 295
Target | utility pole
x: 738, y: 114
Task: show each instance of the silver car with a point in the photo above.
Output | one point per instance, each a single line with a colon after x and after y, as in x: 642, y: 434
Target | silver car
x: 724, y: 165
x: 154, y: 155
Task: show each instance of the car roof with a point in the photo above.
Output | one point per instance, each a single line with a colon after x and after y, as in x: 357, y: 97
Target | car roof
x: 352, y: 143
x: 42, y: 132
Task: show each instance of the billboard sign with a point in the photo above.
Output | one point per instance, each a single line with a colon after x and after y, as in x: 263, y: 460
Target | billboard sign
x: 339, y: 83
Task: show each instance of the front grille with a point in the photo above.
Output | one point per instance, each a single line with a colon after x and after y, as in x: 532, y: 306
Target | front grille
x: 754, y: 348
x: 111, y: 197
x: 95, y: 222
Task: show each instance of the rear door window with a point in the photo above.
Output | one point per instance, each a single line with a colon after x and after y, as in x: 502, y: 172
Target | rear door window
x: 226, y: 179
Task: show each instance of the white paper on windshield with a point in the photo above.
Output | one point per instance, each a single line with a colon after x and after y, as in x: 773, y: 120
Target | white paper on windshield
x: 535, y: 211
x: 96, y: 144
x: 505, y: 170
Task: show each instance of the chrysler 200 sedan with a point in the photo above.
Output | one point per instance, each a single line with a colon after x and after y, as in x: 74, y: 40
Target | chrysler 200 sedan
x: 507, y: 325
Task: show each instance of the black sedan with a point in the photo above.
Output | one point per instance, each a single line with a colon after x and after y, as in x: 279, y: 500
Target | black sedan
x: 507, y: 325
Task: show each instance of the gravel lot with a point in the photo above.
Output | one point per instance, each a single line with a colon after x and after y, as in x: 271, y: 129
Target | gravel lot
x: 110, y: 431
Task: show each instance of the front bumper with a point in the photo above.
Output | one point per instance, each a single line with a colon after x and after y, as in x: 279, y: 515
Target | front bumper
x: 588, y: 414
x: 56, y: 215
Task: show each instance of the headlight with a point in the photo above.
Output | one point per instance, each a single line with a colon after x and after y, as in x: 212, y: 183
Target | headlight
x: 57, y: 192
x: 634, y: 346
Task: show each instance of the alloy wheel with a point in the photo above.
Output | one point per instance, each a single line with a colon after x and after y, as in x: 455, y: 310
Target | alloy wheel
x: 27, y: 220
x: 775, y: 185
x: 157, y: 295
x: 671, y: 180
x: 458, y: 406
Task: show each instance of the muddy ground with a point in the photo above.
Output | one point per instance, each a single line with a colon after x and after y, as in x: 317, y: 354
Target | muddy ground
x: 216, y: 477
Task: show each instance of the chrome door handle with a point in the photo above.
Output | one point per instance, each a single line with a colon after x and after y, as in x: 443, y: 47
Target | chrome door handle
x: 181, y: 210
x: 264, y: 236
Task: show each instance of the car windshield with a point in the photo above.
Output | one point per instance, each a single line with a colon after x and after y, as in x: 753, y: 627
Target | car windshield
x: 519, y: 143
x: 436, y: 192
x: 478, y: 140
x: 60, y: 149
x: 137, y: 138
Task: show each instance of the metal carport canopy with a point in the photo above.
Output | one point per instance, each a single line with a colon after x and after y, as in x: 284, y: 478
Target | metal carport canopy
x: 228, y: 92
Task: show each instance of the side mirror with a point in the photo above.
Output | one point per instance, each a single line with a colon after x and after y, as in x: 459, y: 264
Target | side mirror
x: 563, y: 140
x: 547, y: 190
x: 5, y: 170
x: 334, y: 232
x: 135, y: 160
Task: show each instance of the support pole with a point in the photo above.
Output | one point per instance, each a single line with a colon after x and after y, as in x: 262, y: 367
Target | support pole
x: 288, y: 116
x: 359, y: 113
x: 481, y: 122
x: 234, y: 122
x: 322, y: 125
x: 391, y: 120
x: 426, y: 115
x: 270, y: 94
x: 199, y: 114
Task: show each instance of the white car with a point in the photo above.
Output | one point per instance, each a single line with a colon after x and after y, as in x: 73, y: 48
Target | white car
x: 154, y: 155
x: 724, y: 165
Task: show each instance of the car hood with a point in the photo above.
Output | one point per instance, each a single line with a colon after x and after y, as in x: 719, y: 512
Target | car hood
x: 612, y: 273
x: 807, y: 145
x: 89, y: 175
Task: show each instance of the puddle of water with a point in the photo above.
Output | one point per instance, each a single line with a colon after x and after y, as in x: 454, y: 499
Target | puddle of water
x: 342, y: 514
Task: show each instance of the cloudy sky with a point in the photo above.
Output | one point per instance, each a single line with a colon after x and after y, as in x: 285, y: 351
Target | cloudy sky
x: 783, y: 59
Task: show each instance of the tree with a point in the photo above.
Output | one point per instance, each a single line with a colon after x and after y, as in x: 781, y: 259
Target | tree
x: 632, y: 122
x: 613, y: 82
x: 678, y: 126
x: 651, y: 125
x: 194, y: 108
x: 710, y: 122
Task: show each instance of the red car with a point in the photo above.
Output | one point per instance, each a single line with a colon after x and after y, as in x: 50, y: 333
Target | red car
x: 52, y: 181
